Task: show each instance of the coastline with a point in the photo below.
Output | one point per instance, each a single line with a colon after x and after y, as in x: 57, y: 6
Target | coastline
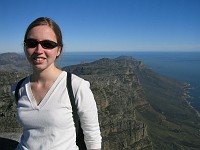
x: 187, y: 97
x: 181, y: 66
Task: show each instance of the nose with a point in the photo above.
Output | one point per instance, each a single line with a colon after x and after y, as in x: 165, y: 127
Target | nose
x: 39, y: 49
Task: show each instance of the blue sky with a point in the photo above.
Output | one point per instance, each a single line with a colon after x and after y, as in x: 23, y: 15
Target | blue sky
x: 107, y: 25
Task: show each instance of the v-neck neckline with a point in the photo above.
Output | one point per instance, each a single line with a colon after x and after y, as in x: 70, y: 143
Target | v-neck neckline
x: 47, y: 95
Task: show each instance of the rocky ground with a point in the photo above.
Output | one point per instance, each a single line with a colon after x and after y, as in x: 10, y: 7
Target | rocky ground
x: 13, y: 136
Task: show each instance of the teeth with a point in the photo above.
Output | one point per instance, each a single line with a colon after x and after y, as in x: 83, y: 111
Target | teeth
x: 39, y: 59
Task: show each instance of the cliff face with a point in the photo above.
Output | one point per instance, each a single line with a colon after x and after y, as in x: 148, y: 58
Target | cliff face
x: 173, y: 123
x: 138, y: 108
x: 117, y: 93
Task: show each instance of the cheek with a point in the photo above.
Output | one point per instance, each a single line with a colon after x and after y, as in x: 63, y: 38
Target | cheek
x: 51, y: 54
x: 28, y: 52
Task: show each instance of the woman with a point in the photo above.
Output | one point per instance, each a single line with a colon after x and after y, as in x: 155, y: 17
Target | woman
x: 44, y: 109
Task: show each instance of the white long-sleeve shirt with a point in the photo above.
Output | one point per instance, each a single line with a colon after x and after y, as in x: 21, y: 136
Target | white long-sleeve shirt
x: 50, y: 125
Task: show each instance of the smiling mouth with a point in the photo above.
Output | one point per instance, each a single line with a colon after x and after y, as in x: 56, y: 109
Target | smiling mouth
x: 39, y: 60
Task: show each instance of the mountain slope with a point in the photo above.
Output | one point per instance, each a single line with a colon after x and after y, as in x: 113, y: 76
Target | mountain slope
x: 138, y: 108
x: 159, y: 102
x: 13, y: 62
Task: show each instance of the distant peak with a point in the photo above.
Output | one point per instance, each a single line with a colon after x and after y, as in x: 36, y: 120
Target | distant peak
x: 124, y: 58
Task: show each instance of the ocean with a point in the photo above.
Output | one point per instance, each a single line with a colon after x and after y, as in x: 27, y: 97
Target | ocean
x: 183, y: 66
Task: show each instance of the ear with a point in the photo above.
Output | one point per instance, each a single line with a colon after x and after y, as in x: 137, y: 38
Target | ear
x: 58, y: 52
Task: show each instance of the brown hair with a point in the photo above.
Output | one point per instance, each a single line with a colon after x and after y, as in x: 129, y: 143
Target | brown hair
x: 52, y: 24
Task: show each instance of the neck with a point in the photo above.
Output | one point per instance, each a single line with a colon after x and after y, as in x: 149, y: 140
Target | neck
x: 46, y: 75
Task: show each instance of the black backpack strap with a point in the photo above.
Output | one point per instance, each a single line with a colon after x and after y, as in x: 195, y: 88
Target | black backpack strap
x: 72, y: 100
x: 17, y: 89
x: 79, y: 132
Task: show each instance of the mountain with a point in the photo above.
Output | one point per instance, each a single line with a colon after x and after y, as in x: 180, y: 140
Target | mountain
x: 138, y: 108
x: 158, y: 102
x: 13, y: 62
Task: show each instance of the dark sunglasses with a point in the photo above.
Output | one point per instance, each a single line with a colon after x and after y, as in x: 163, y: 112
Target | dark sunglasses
x: 46, y: 44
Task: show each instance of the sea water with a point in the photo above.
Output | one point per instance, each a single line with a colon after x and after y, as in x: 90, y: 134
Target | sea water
x: 183, y: 66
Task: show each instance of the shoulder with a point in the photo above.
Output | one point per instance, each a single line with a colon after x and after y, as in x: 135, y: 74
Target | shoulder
x: 18, y: 85
x: 76, y: 80
x: 79, y: 83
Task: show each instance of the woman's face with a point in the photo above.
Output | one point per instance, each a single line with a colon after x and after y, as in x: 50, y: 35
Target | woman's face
x: 39, y: 57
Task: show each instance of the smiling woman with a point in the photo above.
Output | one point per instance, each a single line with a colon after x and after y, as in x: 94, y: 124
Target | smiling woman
x: 43, y: 105
x: 42, y: 54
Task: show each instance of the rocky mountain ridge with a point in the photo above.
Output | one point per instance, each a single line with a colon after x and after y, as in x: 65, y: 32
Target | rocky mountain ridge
x: 160, y: 103
x: 138, y: 108
x: 14, y: 62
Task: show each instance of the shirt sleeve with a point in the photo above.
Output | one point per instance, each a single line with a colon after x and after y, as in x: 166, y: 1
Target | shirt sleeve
x: 88, y: 114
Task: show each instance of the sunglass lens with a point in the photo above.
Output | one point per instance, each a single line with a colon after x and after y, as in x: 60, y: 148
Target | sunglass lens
x: 31, y: 43
x: 48, y: 44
